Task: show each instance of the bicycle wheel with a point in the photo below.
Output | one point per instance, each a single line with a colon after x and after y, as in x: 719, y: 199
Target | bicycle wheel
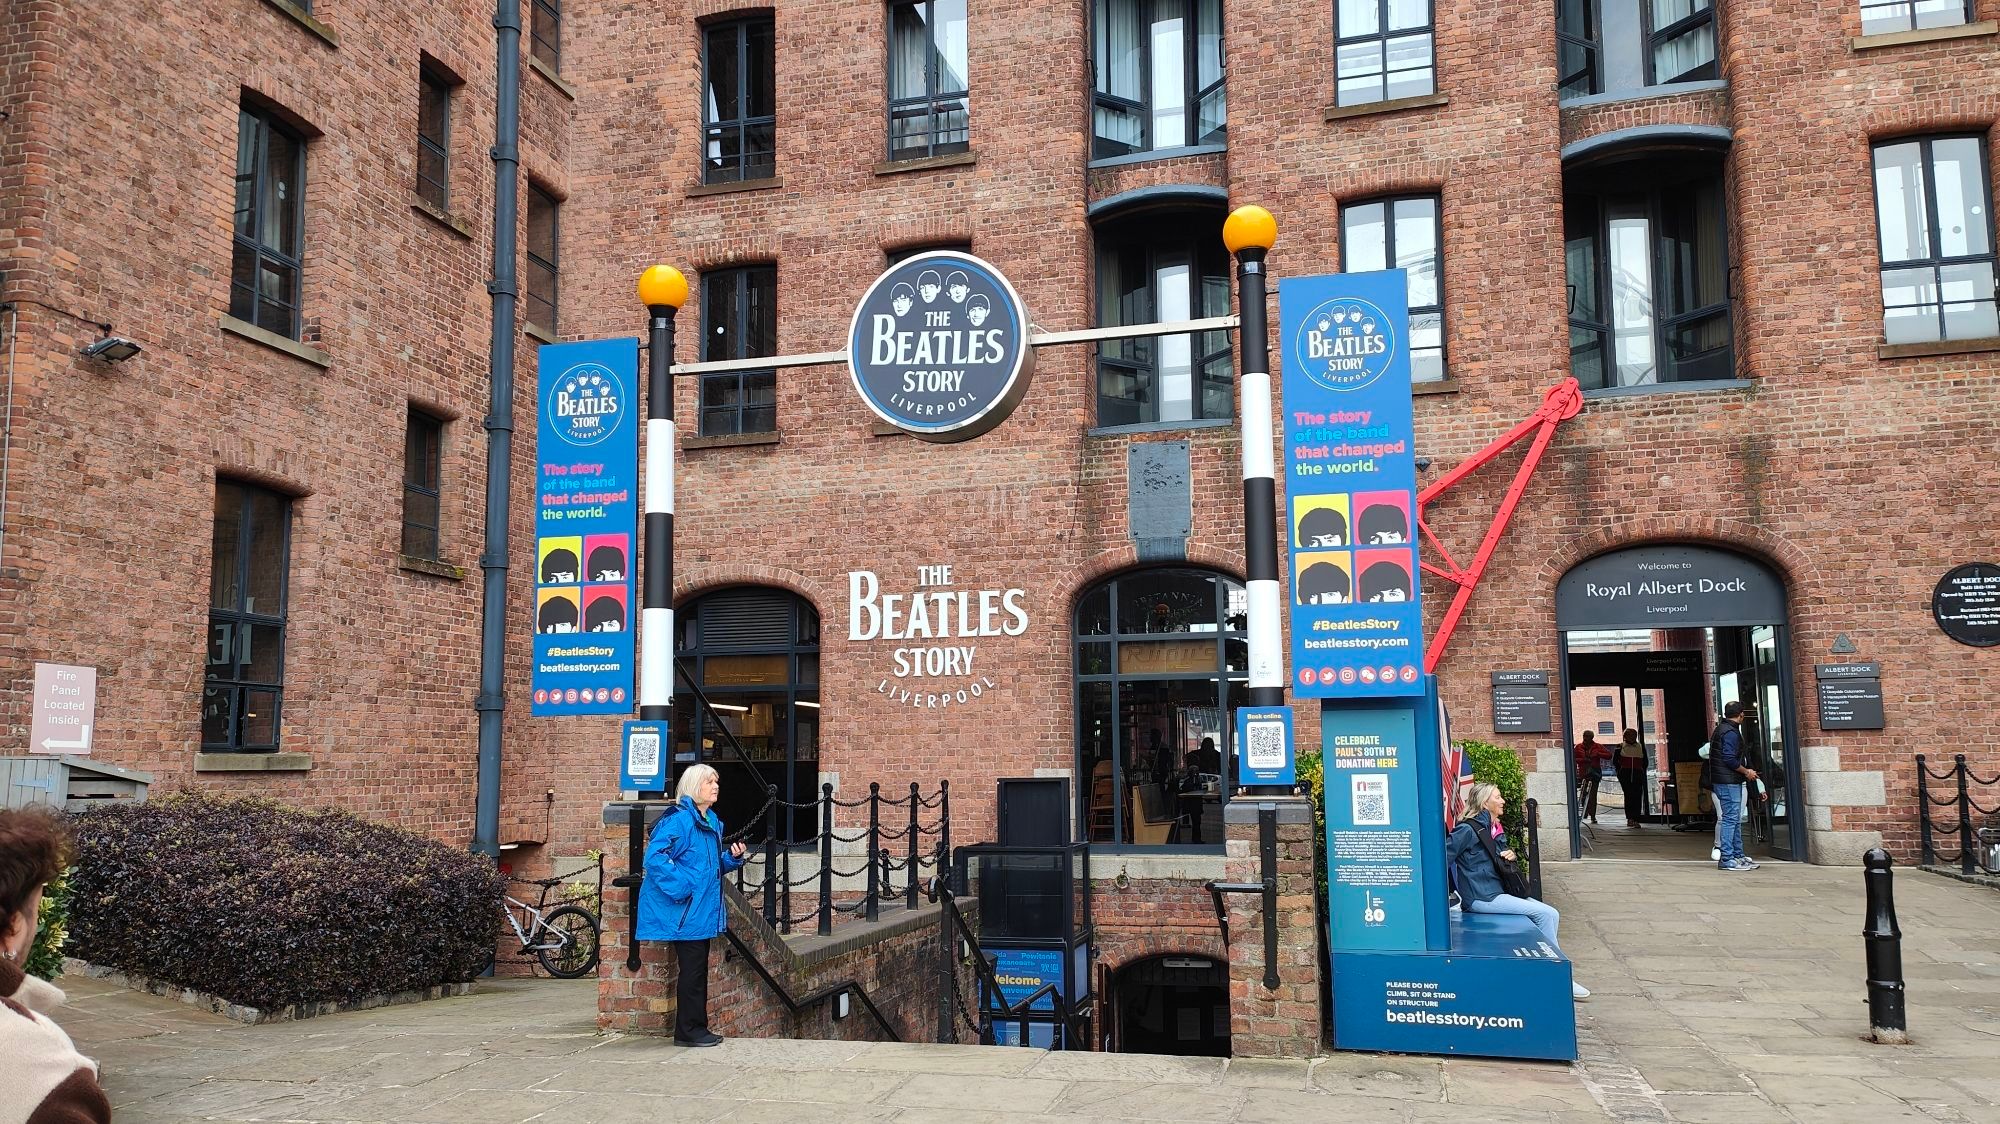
x: 572, y: 930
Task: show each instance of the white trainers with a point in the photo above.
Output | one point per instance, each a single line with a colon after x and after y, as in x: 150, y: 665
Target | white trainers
x: 1715, y: 854
x: 1578, y: 991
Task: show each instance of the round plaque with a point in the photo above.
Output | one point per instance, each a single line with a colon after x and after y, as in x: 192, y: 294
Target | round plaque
x: 939, y: 346
x: 1966, y: 604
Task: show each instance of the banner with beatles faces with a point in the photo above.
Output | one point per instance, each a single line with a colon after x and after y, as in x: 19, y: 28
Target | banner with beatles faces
x: 586, y: 514
x: 1350, y: 486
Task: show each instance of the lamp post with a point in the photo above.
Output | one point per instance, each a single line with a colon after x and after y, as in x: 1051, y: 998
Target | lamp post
x: 662, y: 290
x: 1249, y: 232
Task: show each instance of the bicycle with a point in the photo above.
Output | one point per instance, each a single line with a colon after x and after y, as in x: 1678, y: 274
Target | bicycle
x: 564, y: 939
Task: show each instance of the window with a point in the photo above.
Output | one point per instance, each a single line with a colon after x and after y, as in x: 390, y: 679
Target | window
x: 1880, y: 17
x: 423, y: 464
x: 1403, y: 234
x: 545, y: 32
x: 927, y: 79
x: 908, y: 252
x: 1161, y: 663
x: 270, y: 212
x: 1160, y: 267
x: 739, y: 107
x: 1605, y: 702
x: 1384, y: 50
x: 544, y: 260
x: 739, y: 320
x: 1607, y: 727
x: 755, y: 652
x: 1646, y: 245
x: 434, y: 139
x: 1158, y: 68
x: 1934, y: 208
x: 1651, y: 726
x: 244, y: 683
x: 1603, y: 46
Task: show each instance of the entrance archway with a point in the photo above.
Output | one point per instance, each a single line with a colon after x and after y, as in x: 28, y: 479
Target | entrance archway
x: 1655, y: 641
x: 1172, y: 1004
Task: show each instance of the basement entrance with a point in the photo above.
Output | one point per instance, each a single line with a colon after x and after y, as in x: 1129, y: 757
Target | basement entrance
x: 1170, y: 1005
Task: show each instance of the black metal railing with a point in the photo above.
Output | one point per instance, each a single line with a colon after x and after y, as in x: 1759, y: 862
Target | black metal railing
x: 992, y: 1009
x: 1533, y: 825
x: 797, y: 1004
x: 1974, y: 826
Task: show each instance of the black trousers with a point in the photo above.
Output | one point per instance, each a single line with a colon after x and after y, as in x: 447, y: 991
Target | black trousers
x: 690, y: 989
x: 1632, y: 778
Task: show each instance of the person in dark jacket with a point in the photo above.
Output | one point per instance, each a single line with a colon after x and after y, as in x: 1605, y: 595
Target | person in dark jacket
x: 1728, y: 769
x: 46, y: 1080
x: 681, y: 899
x: 1631, y: 765
x: 1483, y: 866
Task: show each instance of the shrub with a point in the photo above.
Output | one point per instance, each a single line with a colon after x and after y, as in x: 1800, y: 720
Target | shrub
x: 267, y: 906
x: 45, y: 958
x: 1310, y: 771
x: 1497, y: 765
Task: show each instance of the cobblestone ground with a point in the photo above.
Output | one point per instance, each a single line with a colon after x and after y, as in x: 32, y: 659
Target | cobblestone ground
x: 1728, y: 998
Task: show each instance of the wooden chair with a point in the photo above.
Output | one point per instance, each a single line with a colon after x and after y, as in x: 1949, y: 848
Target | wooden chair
x: 1156, y: 821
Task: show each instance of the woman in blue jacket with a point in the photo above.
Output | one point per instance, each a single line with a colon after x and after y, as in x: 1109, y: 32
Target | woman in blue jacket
x: 681, y: 898
x: 1483, y: 867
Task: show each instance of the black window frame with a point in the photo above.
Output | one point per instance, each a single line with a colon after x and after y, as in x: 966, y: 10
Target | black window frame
x: 545, y: 33
x: 542, y: 267
x: 264, y: 122
x: 1965, y: 10
x: 1937, y: 261
x: 433, y: 83
x: 1388, y: 203
x: 934, y: 103
x: 1589, y: 43
x: 423, y: 479
x: 239, y: 621
x: 738, y: 281
x: 1101, y: 147
x: 1227, y: 631
x: 1136, y: 360
x: 1381, y: 35
x: 1604, y: 702
x: 748, y: 165
x: 1606, y: 727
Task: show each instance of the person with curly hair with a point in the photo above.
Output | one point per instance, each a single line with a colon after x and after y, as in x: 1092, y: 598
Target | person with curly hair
x: 47, y: 1081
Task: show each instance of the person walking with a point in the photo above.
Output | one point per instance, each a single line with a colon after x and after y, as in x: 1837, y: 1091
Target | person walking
x: 1728, y: 770
x: 680, y: 901
x: 1631, y: 765
x: 1589, y: 758
x: 46, y: 1078
x: 1487, y: 878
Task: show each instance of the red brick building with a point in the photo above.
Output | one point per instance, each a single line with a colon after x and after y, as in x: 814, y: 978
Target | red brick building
x: 1761, y: 235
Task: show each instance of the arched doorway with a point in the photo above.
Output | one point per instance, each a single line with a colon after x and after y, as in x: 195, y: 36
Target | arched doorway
x: 1655, y: 641
x: 755, y: 652
x: 1172, y: 1004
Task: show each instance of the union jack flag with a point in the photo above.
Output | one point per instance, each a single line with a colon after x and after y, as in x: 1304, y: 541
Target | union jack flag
x: 1457, y: 770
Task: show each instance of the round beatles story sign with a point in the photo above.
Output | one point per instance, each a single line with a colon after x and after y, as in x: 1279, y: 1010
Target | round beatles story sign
x: 939, y: 346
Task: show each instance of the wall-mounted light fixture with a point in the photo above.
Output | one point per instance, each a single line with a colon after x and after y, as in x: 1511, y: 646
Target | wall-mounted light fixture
x: 111, y: 349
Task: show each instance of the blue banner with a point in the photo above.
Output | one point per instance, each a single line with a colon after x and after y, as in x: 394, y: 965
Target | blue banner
x: 1375, y: 884
x: 1025, y: 971
x: 586, y: 516
x: 1264, y: 753
x: 1350, y: 486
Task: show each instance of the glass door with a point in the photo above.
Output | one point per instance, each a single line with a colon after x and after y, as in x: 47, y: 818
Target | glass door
x: 1774, y: 816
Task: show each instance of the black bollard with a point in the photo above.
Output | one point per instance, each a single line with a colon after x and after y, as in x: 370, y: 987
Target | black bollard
x: 1886, y: 1018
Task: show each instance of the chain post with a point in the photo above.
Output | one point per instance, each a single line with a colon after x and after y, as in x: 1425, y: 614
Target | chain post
x: 874, y: 843
x: 771, y: 855
x: 913, y: 869
x: 1924, y: 811
x: 944, y: 817
x: 1968, y: 860
x: 826, y: 859
x: 1887, y: 1018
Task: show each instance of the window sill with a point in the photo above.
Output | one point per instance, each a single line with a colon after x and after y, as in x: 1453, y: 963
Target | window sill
x: 275, y: 341
x: 549, y: 72
x: 304, y: 19
x: 730, y: 440
x: 1936, y: 347
x: 1157, y: 154
x: 734, y: 186
x: 1653, y: 388
x: 441, y: 216
x: 927, y: 163
x: 1642, y: 93
x: 1159, y: 427
x: 1440, y: 386
x: 431, y: 566
x: 1394, y: 105
x: 1925, y: 35
x: 1178, y: 862
x: 253, y: 763
x: 535, y: 331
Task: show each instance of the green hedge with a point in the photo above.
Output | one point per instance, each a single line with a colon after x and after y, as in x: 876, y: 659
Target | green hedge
x: 269, y: 906
x: 1498, y: 765
x: 45, y: 959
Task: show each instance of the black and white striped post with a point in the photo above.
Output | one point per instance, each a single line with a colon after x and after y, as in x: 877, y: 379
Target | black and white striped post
x: 663, y: 290
x: 1250, y: 233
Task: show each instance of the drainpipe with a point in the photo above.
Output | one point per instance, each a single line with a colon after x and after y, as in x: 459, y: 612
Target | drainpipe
x: 499, y: 426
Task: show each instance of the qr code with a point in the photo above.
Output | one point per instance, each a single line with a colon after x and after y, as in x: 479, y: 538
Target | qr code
x: 1371, y: 801
x: 643, y: 760
x: 1266, y: 748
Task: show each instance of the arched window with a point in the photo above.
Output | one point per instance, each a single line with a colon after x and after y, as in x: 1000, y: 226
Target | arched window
x: 1161, y: 663
x: 755, y: 652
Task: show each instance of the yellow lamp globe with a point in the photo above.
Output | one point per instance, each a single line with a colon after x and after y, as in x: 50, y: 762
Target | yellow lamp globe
x: 1249, y: 226
x: 663, y: 286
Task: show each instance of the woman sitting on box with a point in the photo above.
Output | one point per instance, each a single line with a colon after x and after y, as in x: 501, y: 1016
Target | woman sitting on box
x: 1487, y: 879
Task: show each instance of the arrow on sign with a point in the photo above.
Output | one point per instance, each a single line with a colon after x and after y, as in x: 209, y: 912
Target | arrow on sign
x: 81, y: 743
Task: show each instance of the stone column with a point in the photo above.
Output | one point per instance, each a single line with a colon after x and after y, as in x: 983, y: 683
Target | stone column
x: 1263, y: 1022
